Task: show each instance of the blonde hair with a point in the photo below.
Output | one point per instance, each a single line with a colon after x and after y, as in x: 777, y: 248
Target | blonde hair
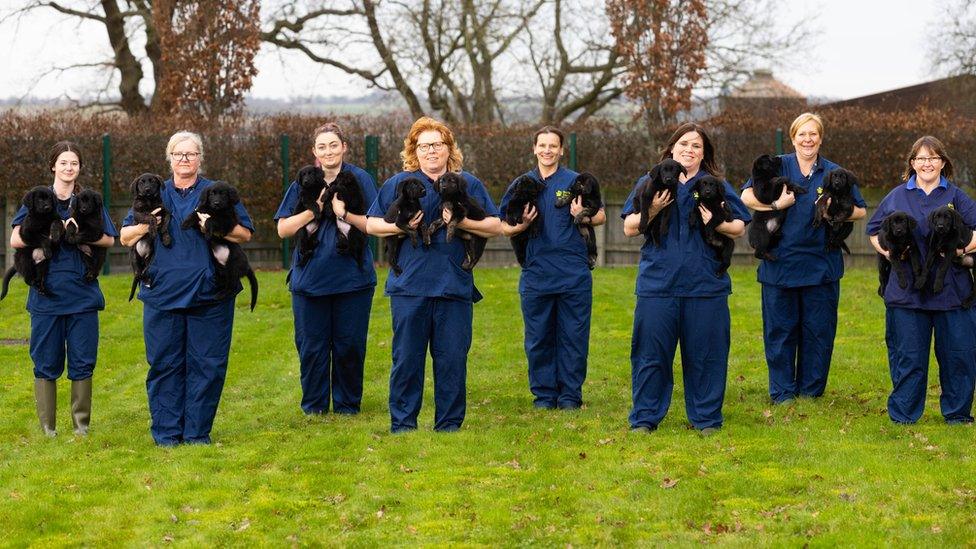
x: 423, y: 124
x: 182, y: 136
x: 803, y: 119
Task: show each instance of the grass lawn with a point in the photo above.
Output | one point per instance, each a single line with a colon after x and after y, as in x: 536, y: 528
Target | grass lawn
x: 826, y: 471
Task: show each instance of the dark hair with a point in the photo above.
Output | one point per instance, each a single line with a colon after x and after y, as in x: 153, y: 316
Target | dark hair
x: 708, y: 158
x: 330, y: 127
x: 549, y: 129
x: 934, y: 145
x: 63, y: 147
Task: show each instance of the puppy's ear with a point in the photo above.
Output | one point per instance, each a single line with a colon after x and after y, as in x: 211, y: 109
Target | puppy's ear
x: 912, y: 224
x: 28, y: 200
x: 958, y: 224
x: 235, y: 197
x: 655, y: 171
x: 134, y: 187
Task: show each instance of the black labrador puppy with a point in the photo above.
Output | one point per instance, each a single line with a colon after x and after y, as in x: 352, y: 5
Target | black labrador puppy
x: 401, y: 211
x: 835, y: 206
x: 311, y: 181
x: 947, y: 233
x: 147, y: 208
x: 85, y: 225
x: 349, y: 239
x: 663, y: 176
x: 709, y: 192
x: 525, y: 191
x: 230, y: 262
x: 587, y: 187
x: 765, y: 231
x: 897, y: 237
x: 42, y: 231
x: 453, y: 190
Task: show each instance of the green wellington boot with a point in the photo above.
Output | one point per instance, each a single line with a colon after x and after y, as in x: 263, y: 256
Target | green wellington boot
x: 46, y: 395
x: 81, y: 395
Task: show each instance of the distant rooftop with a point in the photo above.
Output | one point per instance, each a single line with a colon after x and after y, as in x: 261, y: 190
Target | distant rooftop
x: 762, y: 85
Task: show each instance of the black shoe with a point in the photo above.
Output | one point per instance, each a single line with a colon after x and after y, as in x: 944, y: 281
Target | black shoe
x: 643, y: 429
x: 709, y: 431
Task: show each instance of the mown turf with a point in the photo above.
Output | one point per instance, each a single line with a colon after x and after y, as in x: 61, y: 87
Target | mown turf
x: 826, y: 471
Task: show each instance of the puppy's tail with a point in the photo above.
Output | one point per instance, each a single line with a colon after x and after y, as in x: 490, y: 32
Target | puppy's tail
x: 6, y: 281
x: 132, y: 292
x: 254, y: 287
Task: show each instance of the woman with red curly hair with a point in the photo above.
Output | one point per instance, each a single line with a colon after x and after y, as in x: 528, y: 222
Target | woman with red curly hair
x: 431, y: 300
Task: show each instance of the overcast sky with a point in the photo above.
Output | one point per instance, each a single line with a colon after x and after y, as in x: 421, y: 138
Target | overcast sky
x: 861, y: 47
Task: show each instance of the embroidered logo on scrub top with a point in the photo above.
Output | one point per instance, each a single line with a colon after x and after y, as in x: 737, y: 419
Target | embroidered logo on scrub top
x: 951, y: 206
x: 819, y: 191
x: 695, y: 195
x: 560, y: 195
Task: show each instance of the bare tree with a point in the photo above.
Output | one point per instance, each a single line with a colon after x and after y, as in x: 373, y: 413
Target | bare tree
x: 954, y: 53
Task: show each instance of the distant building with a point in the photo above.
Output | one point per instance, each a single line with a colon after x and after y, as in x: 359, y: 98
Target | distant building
x: 763, y: 93
x: 956, y: 93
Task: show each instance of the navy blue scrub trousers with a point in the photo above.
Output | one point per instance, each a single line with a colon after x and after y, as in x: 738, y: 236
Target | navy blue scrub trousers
x: 908, y: 333
x: 444, y: 325
x: 56, y: 337
x: 557, y: 338
x: 330, y: 335
x: 799, y: 325
x: 187, y: 352
x: 702, y: 327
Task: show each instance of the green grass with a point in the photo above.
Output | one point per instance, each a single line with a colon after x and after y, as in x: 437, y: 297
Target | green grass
x: 826, y: 471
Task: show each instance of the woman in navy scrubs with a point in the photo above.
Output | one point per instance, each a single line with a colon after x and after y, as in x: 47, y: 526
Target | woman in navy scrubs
x: 912, y: 316
x: 187, y: 331
x: 556, y: 286
x: 801, y: 289
x: 64, y: 325
x: 680, y: 299
x: 431, y: 300
x: 331, y: 295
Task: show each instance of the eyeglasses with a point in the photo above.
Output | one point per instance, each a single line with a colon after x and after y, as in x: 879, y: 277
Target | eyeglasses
x: 189, y: 157
x: 927, y: 159
x: 424, y: 147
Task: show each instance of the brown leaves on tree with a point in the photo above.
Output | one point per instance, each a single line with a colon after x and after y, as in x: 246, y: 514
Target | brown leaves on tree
x: 208, y: 49
x: 663, y: 45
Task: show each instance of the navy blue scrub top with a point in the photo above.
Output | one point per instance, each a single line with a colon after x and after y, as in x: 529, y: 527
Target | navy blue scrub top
x: 435, y: 271
x: 802, y: 257
x: 909, y: 198
x: 66, y: 275
x: 328, y: 272
x: 684, y: 265
x: 183, y: 274
x: 556, y: 260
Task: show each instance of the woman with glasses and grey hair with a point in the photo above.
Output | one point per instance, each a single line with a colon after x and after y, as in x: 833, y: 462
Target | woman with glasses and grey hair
x: 431, y: 300
x: 912, y: 313
x: 187, y: 330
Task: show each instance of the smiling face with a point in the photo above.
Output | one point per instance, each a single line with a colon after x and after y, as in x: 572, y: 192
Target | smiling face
x: 807, y: 141
x: 66, y: 167
x: 432, y: 152
x: 928, y: 166
x: 329, y: 150
x: 548, y: 150
x: 689, y: 150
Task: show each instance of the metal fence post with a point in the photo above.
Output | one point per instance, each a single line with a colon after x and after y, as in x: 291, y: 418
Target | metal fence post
x: 373, y: 168
x: 107, y: 183
x: 779, y: 140
x: 573, y: 159
x: 285, y: 181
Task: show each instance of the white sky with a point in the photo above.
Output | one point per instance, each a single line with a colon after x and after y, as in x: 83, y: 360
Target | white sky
x: 861, y: 47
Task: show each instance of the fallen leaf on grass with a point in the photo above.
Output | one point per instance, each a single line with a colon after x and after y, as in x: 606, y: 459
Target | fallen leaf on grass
x: 582, y: 455
x: 669, y: 483
x: 168, y: 539
x: 381, y: 512
x: 936, y: 529
x: 514, y: 464
x: 405, y: 469
x: 244, y: 525
x: 605, y: 441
